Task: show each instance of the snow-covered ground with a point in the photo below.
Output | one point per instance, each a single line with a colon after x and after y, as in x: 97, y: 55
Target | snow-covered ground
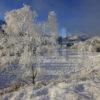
x: 51, y: 66
x: 64, y: 90
x: 82, y: 82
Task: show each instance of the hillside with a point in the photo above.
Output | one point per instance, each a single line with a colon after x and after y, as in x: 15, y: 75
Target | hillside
x: 91, y: 45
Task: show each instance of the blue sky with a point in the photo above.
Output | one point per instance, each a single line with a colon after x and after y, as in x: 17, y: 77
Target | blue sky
x: 74, y: 15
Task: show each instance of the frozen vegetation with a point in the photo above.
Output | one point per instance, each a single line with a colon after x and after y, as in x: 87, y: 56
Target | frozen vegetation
x: 91, y: 45
x: 32, y: 67
x: 24, y: 39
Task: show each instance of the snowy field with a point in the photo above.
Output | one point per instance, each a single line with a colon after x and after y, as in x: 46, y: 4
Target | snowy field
x: 53, y: 67
x: 67, y: 76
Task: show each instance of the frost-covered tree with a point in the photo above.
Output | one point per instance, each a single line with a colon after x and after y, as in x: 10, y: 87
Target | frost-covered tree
x: 23, y: 39
x: 20, y: 21
x: 52, y: 24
